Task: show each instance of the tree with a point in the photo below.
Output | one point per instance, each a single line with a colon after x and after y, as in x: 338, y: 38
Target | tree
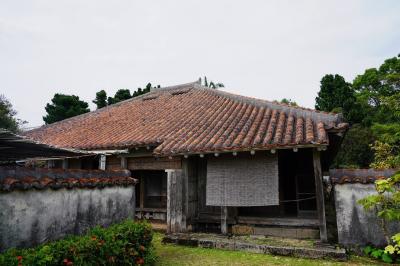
x: 101, y: 99
x: 120, y: 95
x: 64, y: 106
x: 211, y: 84
x: 371, y: 104
x: 7, y: 116
x: 336, y: 95
x: 376, y: 88
x: 147, y: 89
x: 355, y: 151
x: 289, y: 102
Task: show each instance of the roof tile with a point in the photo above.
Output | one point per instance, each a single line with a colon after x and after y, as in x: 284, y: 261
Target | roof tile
x: 191, y: 119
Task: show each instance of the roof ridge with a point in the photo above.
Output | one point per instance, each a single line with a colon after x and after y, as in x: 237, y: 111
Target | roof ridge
x: 337, y: 117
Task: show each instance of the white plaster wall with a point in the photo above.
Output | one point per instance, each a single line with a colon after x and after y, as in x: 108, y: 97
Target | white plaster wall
x: 357, y: 227
x: 31, y: 217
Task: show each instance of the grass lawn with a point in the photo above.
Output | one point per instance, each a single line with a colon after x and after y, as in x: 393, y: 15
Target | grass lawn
x: 169, y: 254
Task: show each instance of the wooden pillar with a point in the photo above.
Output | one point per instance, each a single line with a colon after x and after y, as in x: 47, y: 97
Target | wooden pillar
x: 319, y: 192
x: 124, y: 163
x: 224, y: 220
x: 141, y: 196
x: 176, y: 218
x: 102, y: 162
x: 65, y: 164
x: 50, y: 164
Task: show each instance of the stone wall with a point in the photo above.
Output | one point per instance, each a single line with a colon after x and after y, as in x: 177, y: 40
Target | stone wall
x: 40, y: 205
x: 28, y: 218
x: 357, y: 227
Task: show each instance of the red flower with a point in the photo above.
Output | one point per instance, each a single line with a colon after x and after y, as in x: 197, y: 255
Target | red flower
x: 139, y: 261
x: 19, y: 258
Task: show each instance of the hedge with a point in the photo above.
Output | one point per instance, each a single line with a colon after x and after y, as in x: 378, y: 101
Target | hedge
x: 127, y: 243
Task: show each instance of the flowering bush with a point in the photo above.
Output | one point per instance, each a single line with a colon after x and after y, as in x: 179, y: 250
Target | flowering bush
x: 127, y: 243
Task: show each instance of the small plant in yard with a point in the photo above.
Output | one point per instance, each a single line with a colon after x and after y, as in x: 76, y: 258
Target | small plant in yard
x: 386, y: 205
x: 127, y: 243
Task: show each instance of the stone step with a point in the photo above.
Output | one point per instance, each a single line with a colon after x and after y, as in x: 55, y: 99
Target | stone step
x: 224, y: 242
x: 290, y: 232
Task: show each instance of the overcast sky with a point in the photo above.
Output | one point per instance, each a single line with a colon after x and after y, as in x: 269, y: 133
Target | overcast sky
x: 264, y: 49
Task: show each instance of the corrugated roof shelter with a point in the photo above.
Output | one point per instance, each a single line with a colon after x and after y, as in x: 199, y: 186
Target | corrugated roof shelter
x: 14, y: 147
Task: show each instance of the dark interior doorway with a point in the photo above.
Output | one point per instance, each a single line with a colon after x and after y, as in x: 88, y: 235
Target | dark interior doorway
x: 151, y: 192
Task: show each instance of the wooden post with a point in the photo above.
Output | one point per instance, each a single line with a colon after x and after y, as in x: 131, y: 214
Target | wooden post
x: 65, y: 164
x: 124, y: 163
x: 50, y: 164
x: 102, y: 162
x: 176, y: 220
x: 319, y: 192
x: 224, y: 220
x: 141, y: 196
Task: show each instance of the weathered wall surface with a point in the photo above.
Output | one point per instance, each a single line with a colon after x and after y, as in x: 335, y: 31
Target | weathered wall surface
x: 355, y: 226
x: 30, y: 217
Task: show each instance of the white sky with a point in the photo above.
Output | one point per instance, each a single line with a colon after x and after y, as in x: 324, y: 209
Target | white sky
x: 264, y: 49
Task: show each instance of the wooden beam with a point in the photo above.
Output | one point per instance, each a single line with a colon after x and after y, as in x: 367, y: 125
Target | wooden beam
x: 224, y: 219
x: 319, y: 192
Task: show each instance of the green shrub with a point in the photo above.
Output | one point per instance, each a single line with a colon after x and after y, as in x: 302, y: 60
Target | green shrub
x: 381, y: 254
x: 127, y: 243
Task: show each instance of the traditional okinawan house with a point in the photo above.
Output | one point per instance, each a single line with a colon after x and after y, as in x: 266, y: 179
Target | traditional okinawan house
x: 207, y: 159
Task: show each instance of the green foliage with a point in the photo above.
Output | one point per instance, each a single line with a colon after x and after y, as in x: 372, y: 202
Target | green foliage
x: 372, y: 105
x: 379, y: 254
x: 387, y: 145
x: 376, y: 89
x: 288, y: 102
x: 120, y: 95
x: 356, y: 151
x: 127, y: 243
x: 394, y: 250
x: 386, y: 206
x: 386, y: 203
x: 336, y: 93
x: 7, y: 116
x: 386, y: 156
x: 101, y: 99
x: 211, y: 84
x: 64, y: 106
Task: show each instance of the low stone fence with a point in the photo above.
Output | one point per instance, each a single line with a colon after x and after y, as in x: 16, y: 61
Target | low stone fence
x: 39, y: 205
x: 356, y: 227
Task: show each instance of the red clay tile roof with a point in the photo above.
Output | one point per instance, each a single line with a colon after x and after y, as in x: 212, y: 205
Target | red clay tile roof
x: 188, y: 119
x: 22, y: 178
